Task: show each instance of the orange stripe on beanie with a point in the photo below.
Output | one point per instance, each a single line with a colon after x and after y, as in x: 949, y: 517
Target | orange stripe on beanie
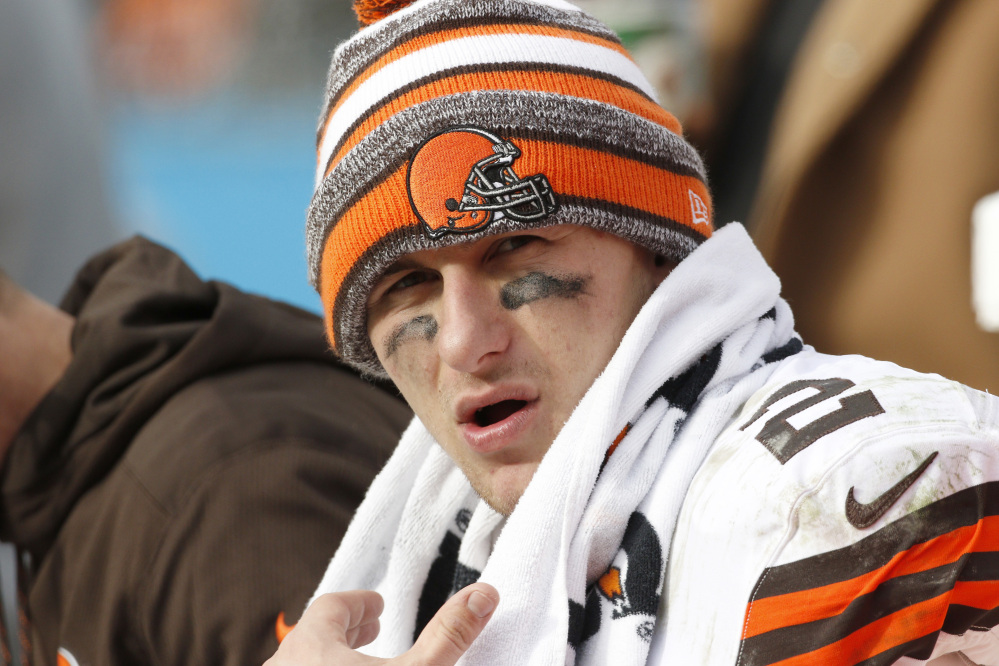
x: 454, y: 119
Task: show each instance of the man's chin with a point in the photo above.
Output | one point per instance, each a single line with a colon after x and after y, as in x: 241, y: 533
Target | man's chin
x: 503, y: 505
x: 503, y: 489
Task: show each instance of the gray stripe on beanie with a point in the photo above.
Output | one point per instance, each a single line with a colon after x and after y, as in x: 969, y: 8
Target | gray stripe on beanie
x: 354, y: 56
x: 389, y: 146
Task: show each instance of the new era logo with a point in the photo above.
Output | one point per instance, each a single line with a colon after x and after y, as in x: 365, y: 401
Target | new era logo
x: 698, y: 209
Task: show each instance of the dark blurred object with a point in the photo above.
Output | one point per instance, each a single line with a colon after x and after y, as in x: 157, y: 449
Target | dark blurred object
x: 884, y: 137
x: 54, y: 206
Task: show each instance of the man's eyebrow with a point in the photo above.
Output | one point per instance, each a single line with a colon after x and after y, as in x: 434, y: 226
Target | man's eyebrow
x: 401, y: 264
x: 397, y: 266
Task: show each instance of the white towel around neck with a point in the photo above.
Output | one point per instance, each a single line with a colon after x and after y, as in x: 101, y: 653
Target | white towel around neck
x: 552, y: 558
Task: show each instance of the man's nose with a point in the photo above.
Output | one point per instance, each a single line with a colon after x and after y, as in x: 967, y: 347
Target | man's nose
x: 475, y: 330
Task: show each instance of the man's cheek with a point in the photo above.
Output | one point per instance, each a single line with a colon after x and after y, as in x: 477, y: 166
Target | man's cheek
x: 412, y: 370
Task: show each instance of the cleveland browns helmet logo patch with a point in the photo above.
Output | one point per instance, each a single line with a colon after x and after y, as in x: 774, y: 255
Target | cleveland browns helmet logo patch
x: 462, y: 179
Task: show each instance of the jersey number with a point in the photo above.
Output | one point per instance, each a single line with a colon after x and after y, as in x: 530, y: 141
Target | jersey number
x: 784, y: 441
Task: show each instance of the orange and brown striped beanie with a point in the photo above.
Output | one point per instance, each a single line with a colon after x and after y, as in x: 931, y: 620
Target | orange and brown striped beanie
x: 448, y: 120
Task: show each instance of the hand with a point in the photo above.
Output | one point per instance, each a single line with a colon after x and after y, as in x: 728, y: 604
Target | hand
x: 336, y: 624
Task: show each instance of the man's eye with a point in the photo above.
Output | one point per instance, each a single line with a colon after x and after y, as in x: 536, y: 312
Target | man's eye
x: 513, y: 242
x: 408, y: 280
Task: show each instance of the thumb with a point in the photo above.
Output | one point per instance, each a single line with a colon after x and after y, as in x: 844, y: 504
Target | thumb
x: 451, y: 631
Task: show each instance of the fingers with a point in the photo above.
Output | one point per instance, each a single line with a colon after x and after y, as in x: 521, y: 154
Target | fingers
x: 352, y: 615
x: 335, y: 624
x: 330, y: 629
x: 459, y: 622
x: 363, y: 634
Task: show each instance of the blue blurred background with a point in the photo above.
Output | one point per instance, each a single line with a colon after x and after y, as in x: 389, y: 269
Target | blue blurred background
x: 190, y: 121
x: 212, y: 108
x: 226, y: 184
x: 193, y: 122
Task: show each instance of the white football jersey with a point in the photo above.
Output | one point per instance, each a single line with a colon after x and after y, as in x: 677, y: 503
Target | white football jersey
x: 848, y: 515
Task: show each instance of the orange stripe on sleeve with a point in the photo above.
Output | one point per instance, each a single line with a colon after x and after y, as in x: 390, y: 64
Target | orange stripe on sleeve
x: 786, y: 610
x: 886, y: 633
x: 981, y: 594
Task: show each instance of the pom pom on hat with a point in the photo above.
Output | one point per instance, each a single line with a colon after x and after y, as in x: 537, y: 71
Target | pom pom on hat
x: 372, y: 11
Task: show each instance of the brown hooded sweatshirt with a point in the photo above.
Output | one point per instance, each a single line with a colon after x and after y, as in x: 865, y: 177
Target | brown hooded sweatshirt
x: 191, y: 474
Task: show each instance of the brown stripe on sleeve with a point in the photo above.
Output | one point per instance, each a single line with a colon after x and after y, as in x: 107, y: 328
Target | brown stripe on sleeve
x: 961, y: 509
x: 886, y: 596
x: 771, y: 613
x: 875, y: 643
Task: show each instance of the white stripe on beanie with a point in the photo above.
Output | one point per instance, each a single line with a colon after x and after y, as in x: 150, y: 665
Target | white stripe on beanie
x: 471, y: 51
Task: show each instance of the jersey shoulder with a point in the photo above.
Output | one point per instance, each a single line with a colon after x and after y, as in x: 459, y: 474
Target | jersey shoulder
x: 841, y: 478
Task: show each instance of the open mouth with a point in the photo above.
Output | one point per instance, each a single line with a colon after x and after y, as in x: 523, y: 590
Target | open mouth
x: 497, y: 412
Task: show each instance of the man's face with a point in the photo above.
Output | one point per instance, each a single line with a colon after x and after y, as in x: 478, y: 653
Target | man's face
x: 494, y: 342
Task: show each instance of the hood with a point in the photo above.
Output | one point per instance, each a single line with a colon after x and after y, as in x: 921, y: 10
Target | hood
x: 146, y: 326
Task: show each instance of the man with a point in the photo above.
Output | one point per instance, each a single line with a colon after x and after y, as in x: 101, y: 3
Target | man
x: 620, y: 442
x: 179, y: 459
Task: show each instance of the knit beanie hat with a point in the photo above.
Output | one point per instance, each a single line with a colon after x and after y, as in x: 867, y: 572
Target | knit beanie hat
x: 448, y: 120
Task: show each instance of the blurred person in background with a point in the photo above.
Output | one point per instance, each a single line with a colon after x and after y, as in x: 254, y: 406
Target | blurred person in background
x: 182, y: 52
x: 179, y: 459
x: 856, y: 139
x: 55, y: 208
x: 179, y: 49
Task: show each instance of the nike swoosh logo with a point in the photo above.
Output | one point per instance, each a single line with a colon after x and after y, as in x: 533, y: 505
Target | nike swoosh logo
x: 865, y: 515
